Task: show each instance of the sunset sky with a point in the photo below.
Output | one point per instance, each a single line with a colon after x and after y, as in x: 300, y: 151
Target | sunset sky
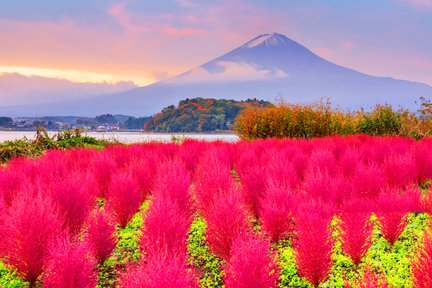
x: 144, y: 40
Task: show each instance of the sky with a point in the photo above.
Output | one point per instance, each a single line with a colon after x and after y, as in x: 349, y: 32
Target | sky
x: 144, y: 41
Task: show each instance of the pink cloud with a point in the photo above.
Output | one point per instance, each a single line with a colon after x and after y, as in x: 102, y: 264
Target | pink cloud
x: 325, y: 53
x: 418, y: 3
x: 181, y: 32
x: 347, y: 46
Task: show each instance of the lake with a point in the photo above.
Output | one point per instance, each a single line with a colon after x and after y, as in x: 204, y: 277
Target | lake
x: 127, y: 137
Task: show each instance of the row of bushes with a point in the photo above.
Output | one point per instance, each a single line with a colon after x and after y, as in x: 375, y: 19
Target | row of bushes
x: 321, y: 119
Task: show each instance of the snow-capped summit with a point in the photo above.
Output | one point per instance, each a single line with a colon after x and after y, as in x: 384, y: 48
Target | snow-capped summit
x: 268, y: 40
x: 267, y: 67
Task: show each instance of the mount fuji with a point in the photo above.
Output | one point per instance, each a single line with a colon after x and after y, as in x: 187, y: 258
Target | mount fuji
x: 269, y: 67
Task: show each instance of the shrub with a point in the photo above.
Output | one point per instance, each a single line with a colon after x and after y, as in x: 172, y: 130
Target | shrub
x: 100, y: 236
x: 74, y: 202
x: 103, y: 167
x: 382, y: 120
x: 280, y: 172
x: 31, y: 225
x: 142, y: 171
x: 70, y: 266
x: 226, y: 219
x: 11, y: 181
x: 253, y: 186
x: 165, y: 229
x: 123, y: 198
x: 314, y: 243
x: 289, y: 120
x: 172, y: 182
x: 251, y: 264
x: 422, y: 264
x: 356, y: 229
x: 211, y: 183
x: 367, y: 180
x: 400, y: 170
x: 161, y: 271
x: 277, y: 213
x: 392, y: 212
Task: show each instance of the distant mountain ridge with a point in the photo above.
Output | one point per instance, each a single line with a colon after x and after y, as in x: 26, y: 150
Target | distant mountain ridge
x: 268, y: 67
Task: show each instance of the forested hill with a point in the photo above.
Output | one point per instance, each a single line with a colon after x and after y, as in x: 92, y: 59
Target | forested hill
x: 200, y: 115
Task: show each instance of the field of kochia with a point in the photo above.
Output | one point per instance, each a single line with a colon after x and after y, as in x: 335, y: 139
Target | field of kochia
x: 328, y: 212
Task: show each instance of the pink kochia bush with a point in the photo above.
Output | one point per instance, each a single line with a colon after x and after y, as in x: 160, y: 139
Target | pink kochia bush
x: 251, y: 264
x: 161, y: 271
x: 314, y: 243
x: 170, y: 214
x: 172, y: 182
x: 422, y: 264
x: 70, y: 265
x: 123, y: 198
x: 165, y: 230
x: 393, y: 208
x: 226, y: 219
x: 74, y: 197
x: 277, y: 212
x: 31, y: 226
x: 213, y: 183
x: 356, y: 229
x: 103, y: 167
x: 100, y: 237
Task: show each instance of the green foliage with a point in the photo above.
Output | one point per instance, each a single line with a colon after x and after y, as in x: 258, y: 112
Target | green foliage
x: 200, y: 115
x: 106, y: 119
x: 6, y: 121
x: 208, y: 264
x: 383, y: 120
x: 135, y: 123
x: 34, y: 148
x: 9, y: 279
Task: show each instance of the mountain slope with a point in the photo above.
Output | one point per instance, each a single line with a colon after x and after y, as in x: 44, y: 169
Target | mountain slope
x: 269, y: 67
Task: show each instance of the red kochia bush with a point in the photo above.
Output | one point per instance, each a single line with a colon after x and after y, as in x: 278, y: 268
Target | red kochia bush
x: 31, y: 225
x: 123, y: 198
x: 277, y: 212
x: 226, y: 219
x: 11, y: 182
x: 392, y: 212
x: 314, y: 243
x: 73, y: 196
x: 70, y: 266
x: 251, y: 264
x: 142, y: 171
x: 172, y: 182
x: 161, y: 271
x: 103, y: 167
x: 422, y: 264
x: 165, y: 229
x: 100, y: 236
x: 400, y: 170
x: 367, y: 180
x: 213, y: 183
x: 356, y: 229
